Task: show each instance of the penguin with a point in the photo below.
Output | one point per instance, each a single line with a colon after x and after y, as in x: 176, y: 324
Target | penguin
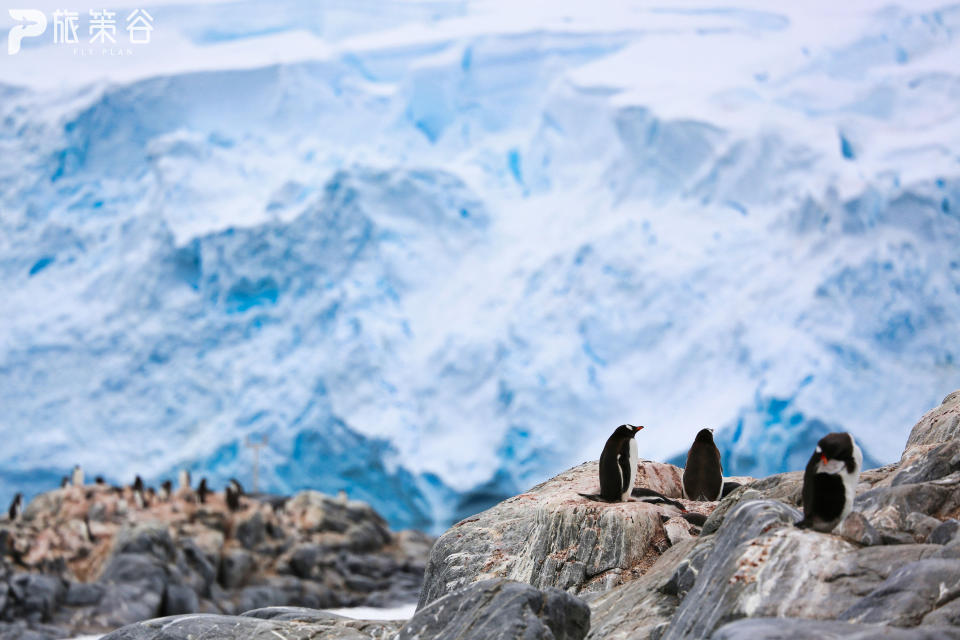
x: 166, y: 490
x: 99, y: 480
x: 202, y: 491
x: 16, y: 507
x: 183, y: 481
x: 77, y: 478
x: 830, y: 482
x: 233, y: 493
x: 138, y: 497
x: 64, y: 482
x: 703, y: 473
x: 618, y: 465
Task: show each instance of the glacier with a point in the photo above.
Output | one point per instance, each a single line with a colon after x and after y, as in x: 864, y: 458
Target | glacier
x: 437, y: 251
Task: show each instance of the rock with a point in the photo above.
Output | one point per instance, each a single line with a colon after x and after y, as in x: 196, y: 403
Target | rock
x: 552, y: 537
x: 912, y: 591
x: 940, y: 461
x: 856, y: 528
x: 251, y: 530
x: 946, y: 533
x: 888, y: 506
x: 151, y: 538
x: 82, y: 594
x: 178, y: 599
x: 20, y: 631
x: 254, y: 628
x: 305, y: 558
x: 920, y: 525
x: 759, y: 564
x: 638, y: 608
x: 34, y: 597
x: 500, y: 610
x: 236, y: 566
x: 799, y: 629
x: 938, y: 426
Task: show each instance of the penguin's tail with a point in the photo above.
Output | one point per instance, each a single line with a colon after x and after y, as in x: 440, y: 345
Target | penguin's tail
x: 803, y: 524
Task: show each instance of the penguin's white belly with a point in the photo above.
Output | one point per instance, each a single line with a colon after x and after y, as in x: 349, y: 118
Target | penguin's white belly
x: 634, y: 457
x: 850, y: 482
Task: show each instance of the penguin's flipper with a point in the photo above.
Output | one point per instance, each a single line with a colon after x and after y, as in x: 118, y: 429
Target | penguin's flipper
x: 656, y: 496
x: 728, y: 488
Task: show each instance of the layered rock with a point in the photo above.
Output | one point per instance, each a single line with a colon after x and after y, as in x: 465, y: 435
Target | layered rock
x: 892, y: 569
x: 894, y: 563
x: 551, y: 536
x: 85, y: 559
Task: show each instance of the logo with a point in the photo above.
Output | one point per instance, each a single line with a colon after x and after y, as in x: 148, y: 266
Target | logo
x: 37, y: 24
x: 101, y: 28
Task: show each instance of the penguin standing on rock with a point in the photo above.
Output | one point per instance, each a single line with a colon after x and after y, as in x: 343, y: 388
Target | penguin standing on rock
x: 233, y: 493
x: 77, y: 477
x: 703, y: 473
x: 618, y: 465
x: 166, y: 490
x: 830, y: 482
x: 202, y: 491
x: 16, y: 507
x: 138, y: 495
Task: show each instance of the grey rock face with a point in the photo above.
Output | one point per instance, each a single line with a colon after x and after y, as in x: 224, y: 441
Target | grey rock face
x: 643, y: 607
x: 937, y: 426
x: 254, y: 628
x: 908, y: 594
x: 501, y: 610
x: 946, y: 533
x: 552, y: 537
x: 799, y: 629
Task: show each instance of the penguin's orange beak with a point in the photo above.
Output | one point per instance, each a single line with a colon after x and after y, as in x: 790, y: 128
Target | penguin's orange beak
x: 823, y: 459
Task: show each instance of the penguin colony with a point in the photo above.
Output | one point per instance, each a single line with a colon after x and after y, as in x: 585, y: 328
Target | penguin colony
x: 144, y: 496
x: 829, y: 481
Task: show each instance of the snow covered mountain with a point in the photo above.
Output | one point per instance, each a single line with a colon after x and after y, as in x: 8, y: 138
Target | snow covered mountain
x: 437, y: 251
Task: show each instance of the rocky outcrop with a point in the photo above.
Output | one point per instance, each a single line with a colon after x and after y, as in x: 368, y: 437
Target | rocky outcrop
x: 639, y: 570
x: 552, y: 537
x: 893, y: 564
x: 262, y: 624
x: 85, y: 560
x: 501, y: 610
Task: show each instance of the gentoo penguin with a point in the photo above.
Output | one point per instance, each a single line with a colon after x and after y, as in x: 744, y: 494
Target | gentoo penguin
x: 233, y: 493
x: 16, y: 507
x: 202, y: 491
x: 703, y: 473
x: 618, y: 465
x: 138, y: 496
x: 166, y: 490
x: 77, y: 478
x: 183, y: 481
x: 830, y: 482
x: 64, y: 482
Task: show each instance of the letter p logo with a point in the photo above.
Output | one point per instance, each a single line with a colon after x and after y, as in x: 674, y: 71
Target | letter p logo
x: 37, y: 24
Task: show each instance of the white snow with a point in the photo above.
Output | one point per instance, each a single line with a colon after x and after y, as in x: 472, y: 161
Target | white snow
x: 480, y: 234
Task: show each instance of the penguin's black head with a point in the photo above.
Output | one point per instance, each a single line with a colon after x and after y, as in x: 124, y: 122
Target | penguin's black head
x: 627, y: 430
x: 704, y: 435
x: 835, y: 447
